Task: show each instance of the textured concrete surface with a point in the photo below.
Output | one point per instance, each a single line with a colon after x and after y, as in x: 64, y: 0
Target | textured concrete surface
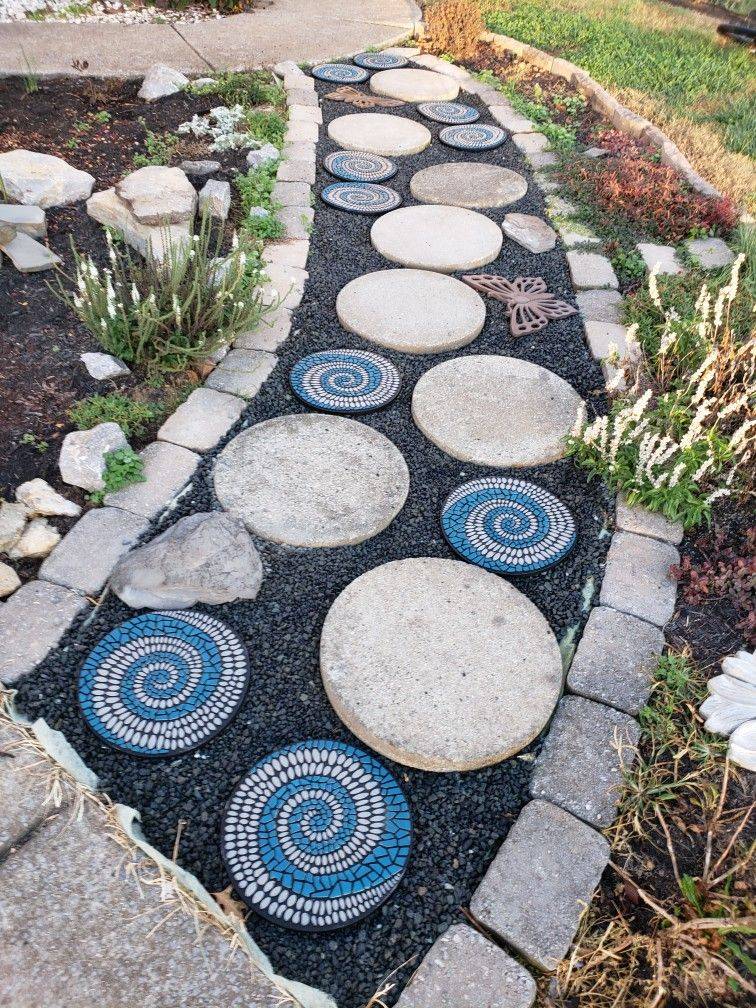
x: 442, y: 238
x: 637, y: 578
x: 32, y: 622
x: 412, y: 85
x: 378, y: 133
x: 468, y: 184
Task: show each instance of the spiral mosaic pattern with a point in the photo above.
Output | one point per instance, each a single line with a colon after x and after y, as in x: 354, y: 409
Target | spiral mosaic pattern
x: 509, y: 526
x: 163, y: 683
x: 450, y: 112
x: 361, y: 197
x: 356, y: 166
x: 479, y: 137
x: 317, y: 836
x: 340, y: 73
x: 345, y: 381
x: 380, y: 61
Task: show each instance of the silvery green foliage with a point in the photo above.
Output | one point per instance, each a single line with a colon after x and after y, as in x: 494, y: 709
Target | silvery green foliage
x: 221, y: 125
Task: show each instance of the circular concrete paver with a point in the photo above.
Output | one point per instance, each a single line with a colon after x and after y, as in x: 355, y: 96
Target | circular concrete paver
x: 412, y: 310
x: 439, y: 665
x: 468, y: 184
x: 495, y: 411
x: 374, y: 133
x: 309, y: 480
x: 442, y: 238
x: 414, y: 85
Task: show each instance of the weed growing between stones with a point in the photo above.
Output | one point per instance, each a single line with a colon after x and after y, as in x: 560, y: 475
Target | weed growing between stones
x: 123, y: 467
x: 258, y: 208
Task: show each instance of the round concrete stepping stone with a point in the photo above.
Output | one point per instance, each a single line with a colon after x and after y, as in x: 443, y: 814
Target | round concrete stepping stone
x: 452, y: 113
x: 345, y: 381
x: 356, y: 166
x: 441, y: 238
x: 479, y: 137
x: 376, y: 133
x: 163, y: 683
x: 309, y: 480
x: 509, y: 526
x: 317, y: 835
x: 380, y: 61
x: 414, y: 85
x: 470, y: 184
x: 439, y: 665
x: 495, y: 411
x: 361, y: 197
x: 340, y: 73
x: 411, y: 310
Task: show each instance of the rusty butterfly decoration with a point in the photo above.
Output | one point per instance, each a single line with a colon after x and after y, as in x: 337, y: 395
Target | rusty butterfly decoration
x: 362, y: 100
x: 529, y: 305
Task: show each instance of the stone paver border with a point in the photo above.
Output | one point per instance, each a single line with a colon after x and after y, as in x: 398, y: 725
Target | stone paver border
x: 553, y: 893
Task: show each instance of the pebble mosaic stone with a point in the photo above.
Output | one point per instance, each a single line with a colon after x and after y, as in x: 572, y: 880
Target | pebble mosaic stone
x: 453, y: 113
x: 345, y: 381
x: 357, y: 166
x: 380, y: 61
x: 340, y: 73
x: 361, y: 197
x: 317, y: 836
x: 476, y: 138
x: 163, y: 683
x: 509, y: 526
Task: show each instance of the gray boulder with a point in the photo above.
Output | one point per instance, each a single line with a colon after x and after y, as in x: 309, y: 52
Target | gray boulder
x: 82, y: 455
x: 42, y: 179
x: 161, y: 81
x: 206, y: 557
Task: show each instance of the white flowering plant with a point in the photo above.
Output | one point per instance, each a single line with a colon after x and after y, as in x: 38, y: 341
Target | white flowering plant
x: 164, y: 316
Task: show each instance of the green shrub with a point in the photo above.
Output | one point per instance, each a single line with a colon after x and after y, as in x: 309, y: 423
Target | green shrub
x: 131, y: 415
x: 160, y: 148
x: 123, y: 467
x: 255, y: 190
x: 247, y: 89
x: 267, y: 127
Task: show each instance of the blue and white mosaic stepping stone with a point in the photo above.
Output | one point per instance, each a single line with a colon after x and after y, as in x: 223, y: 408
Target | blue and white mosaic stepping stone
x: 380, y: 61
x: 163, y: 683
x: 316, y: 836
x: 356, y: 166
x: 345, y: 381
x: 509, y: 526
x: 453, y: 113
x: 361, y: 197
x: 340, y: 73
x: 479, y: 137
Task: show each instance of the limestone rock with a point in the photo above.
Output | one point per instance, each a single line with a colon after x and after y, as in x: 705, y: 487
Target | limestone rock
x: 28, y: 220
x: 38, y: 538
x: 215, y: 199
x: 199, y: 169
x: 12, y: 523
x: 108, y: 209
x: 82, y: 456
x: 263, y: 155
x: 661, y: 258
x: 29, y: 255
x: 9, y: 580
x: 157, y: 195
x: 711, y: 253
x: 205, y: 557
x: 531, y: 232
x: 161, y: 81
x: 102, y: 366
x: 40, y: 499
x: 43, y: 180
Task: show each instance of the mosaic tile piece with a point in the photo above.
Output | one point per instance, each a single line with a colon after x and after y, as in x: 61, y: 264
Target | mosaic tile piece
x: 380, y: 61
x: 163, y: 683
x: 479, y: 137
x: 509, y: 526
x: 357, y: 166
x: 361, y: 197
x: 361, y: 100
x: 345, y: 381
x: 453, y: 113
x: 317, y: 836
x: 340, y: 73
x: 530, y: 306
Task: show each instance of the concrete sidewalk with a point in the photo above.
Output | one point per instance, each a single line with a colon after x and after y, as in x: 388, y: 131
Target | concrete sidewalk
x: 288, y: 29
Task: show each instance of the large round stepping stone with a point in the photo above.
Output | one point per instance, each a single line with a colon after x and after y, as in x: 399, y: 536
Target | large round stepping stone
x: 309, y: 480
x: 495, y: 411
x: 441, y: 238
x: 374, y: 133
x: 416, y: 311
x: 468, y: 184
x: 439, y: 665
x: 414, y: 85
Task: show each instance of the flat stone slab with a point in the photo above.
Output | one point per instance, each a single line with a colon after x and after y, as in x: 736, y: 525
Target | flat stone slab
x: 615, y: 660
x: 270, y: 332
x: 28, y: 255
x: 661, y: 258
x: 531, y: 143
x: 469, y: 184
x: 648, y: 523
x: 589, y: 270
x: 540, y: 882
x: 531, y: 232
x: 389, y: 135
x: 32, y: 621
x: 580, y: 767
x: 29, y: 220
x: 599, y: 305
x: 411, y: 85
x: 439, y: 665
x: 495, y: 411
x: 242, y: 372
x: 157, y: 195
x: 416, y: 311
x: 441, y: 238
x: 167, y: 468
x: 462, y: 969
x: 310, y: 480
x: 201, y: 421
x: 637, y: 578
x: 84, y: 558
x: 605, y: 339
x: 710, y: 253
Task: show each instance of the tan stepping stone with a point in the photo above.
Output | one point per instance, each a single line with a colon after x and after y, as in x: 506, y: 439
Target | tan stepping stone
x: 468, y: 184
x: 310, y: 480
x: 439, y: 665
x: 414, y: 85
x: 441, y: 238
x: 415, y: 311
x: 495, y: 411
x: 375, y: 133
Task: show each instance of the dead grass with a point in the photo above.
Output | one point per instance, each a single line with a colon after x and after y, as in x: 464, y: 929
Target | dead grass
x: 453, y: 27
